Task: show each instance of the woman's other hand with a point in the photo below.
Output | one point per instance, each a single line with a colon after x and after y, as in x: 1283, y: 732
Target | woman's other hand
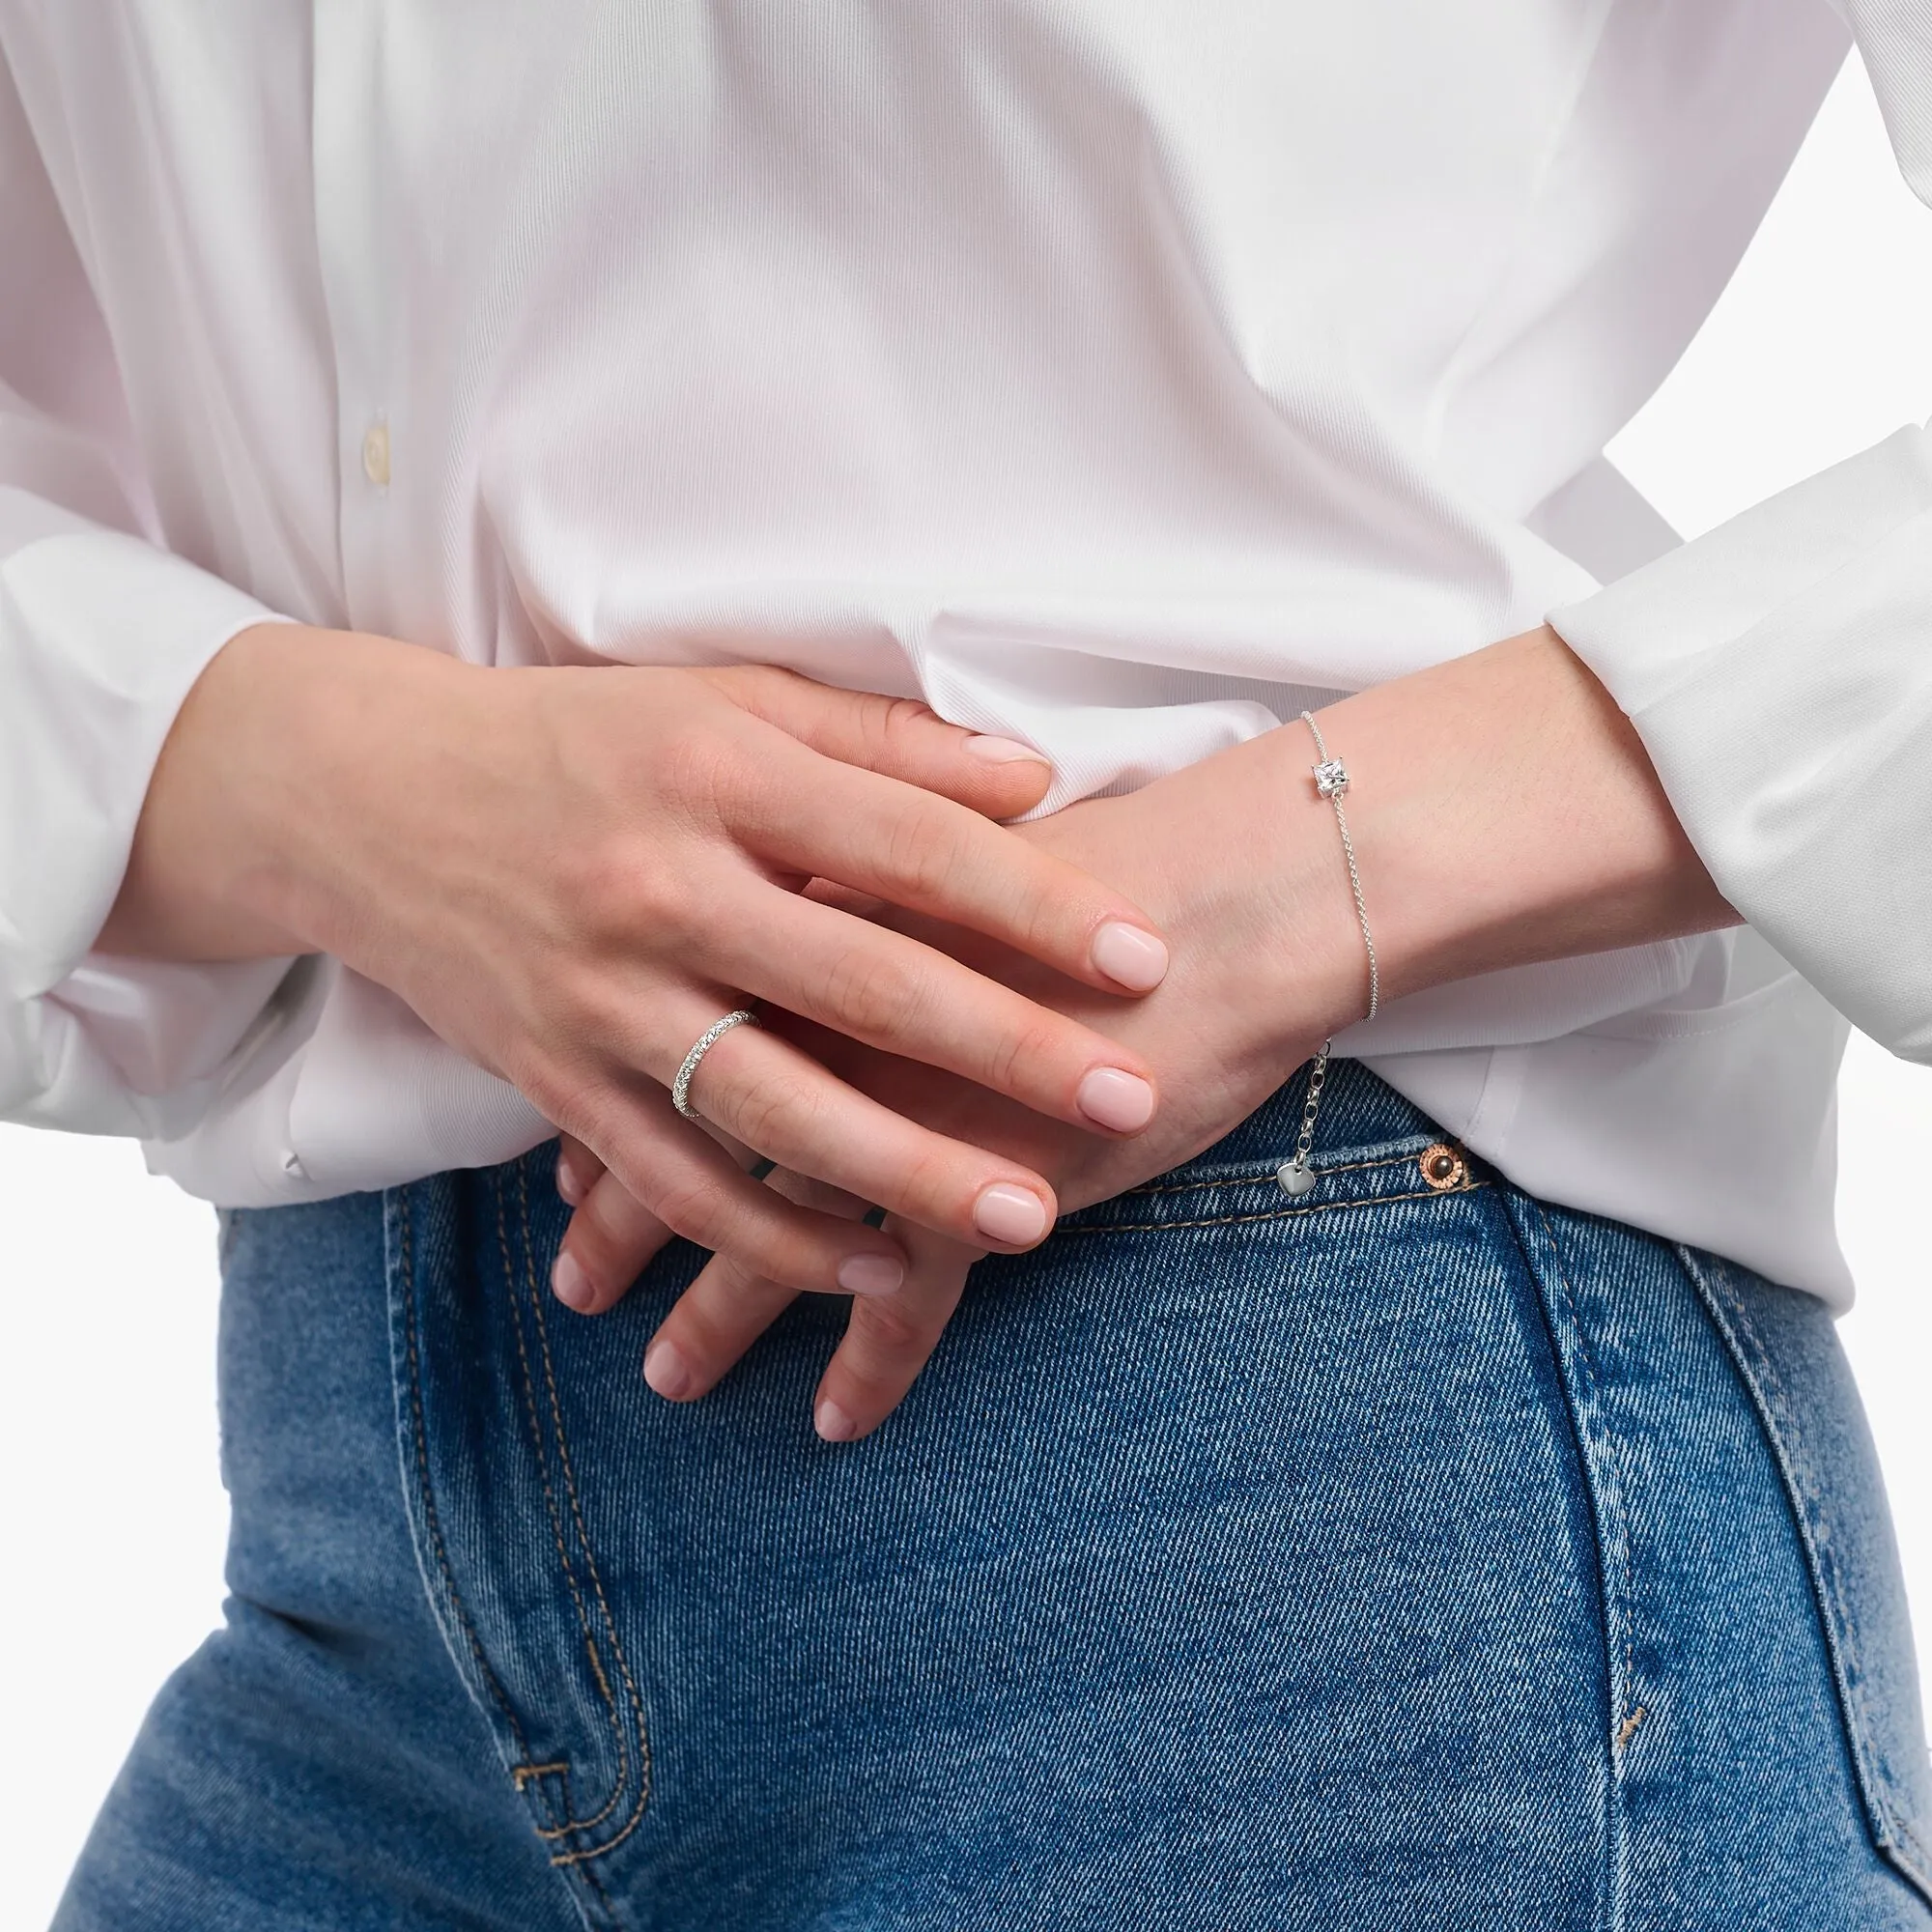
x: 570, y: 873
x: 1267, y: 961
x: 1504, y: 812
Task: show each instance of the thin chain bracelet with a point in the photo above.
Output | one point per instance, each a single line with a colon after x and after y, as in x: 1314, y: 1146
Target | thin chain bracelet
x: 1332, y: 780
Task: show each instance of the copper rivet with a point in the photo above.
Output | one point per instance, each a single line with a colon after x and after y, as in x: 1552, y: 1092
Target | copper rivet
x: 1443, y: 1168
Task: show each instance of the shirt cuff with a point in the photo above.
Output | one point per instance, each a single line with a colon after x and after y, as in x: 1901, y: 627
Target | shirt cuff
x: 102, y: 637
x: 1778, y: 671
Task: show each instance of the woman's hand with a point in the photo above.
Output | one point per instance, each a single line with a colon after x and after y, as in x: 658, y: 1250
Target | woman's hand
x: 571, y: 874
x: 1504, y: 812
x: 1267, y: 961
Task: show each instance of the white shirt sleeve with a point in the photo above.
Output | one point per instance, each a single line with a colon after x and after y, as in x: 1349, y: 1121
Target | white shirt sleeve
x: 1780, y: 674
x: 102, y: 632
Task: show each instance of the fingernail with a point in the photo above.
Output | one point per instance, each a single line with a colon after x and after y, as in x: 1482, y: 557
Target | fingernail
x: 1131, y: 956
x: 666, y: 1373
x: 833, y: 1424
x: 571, y: 1285
x: 1113, y: 1098
x: 1009, y: 1215
x: 1003, y: 751
x: 870, y: 1274
x: 567, y: 1184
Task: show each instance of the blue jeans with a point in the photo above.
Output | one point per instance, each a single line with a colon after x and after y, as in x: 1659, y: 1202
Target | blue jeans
x: 1409, y: 1554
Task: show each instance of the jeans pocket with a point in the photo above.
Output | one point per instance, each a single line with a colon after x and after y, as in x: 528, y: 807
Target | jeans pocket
x: 1783, y: 1347
x: 501, y: 1531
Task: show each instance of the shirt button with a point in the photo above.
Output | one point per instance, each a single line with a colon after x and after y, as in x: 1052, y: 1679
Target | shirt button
x: 375, y: 455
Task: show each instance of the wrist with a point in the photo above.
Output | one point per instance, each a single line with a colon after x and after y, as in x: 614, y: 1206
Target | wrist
x: 1260, y: 868
x: 247, y: 831
x: 1504, y: 811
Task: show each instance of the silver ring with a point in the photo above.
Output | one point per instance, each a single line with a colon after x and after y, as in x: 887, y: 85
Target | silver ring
x: 680, y: 1088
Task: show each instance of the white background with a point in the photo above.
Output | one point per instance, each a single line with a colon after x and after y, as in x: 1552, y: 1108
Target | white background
x: 111, y: 1513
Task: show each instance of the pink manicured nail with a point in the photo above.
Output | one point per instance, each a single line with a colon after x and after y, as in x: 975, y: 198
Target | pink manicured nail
x: 1112, y: 1098
x: 666, y: 1373
x: 833, y: 1424
x: 571, y: 1285
x: 1129, y: 956
x: 568, y: 1184
x: 1009, y: 1215
x: 870, y: 1274
x: 1003, y: 751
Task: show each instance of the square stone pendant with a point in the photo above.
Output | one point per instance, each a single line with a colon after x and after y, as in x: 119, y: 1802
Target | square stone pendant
x: 1332, y: 775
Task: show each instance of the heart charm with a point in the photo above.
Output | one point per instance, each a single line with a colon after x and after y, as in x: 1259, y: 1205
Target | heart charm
x: 1294, y: 1179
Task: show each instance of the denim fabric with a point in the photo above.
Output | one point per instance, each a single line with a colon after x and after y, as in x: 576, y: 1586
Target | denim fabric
x: 1407, y: 1554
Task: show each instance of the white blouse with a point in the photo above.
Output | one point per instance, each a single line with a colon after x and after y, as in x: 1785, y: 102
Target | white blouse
x: 1121, y: 375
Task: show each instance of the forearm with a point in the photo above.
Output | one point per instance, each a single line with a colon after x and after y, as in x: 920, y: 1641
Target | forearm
x: 1503, y: 812
x: 244, y: 816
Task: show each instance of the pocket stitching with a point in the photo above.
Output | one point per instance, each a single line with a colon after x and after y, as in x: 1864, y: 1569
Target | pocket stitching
x: 567, y: 1826
x: 1262, y: 1172
x: 1630, y: 1713
x: 1270, y: 1214
x: 635, y: 1700
x: 524, y: 1770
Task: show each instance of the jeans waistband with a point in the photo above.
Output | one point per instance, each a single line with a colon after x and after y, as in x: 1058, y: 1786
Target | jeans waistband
x: 1370, y: 1144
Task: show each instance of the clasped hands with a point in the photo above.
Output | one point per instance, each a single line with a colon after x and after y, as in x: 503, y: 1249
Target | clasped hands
x: 1261, y: 968
x: 571, y: 874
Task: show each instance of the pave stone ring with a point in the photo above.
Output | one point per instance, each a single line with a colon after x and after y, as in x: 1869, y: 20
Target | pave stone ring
x: 680, y: 1088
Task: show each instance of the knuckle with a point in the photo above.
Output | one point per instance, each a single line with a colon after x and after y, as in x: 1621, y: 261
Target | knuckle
x: 872, y: 995
x: 733, y: 1281
x: 896, y: 723
x: 899, y: 1332
x: 612, y: 1221
x: 569, y: 1098
x: 667, y: 915
x: 1022, y: 1051
x: 702, y: 774
x: 932, y: 1187
x: 745, y: 683
x: 691, y: 1209
x: 709, y: 1317
x: 604, y: 891
x: 777, y: 1111
x: 620, y: 890
x: 924, y: 851
x: 1047, y: 907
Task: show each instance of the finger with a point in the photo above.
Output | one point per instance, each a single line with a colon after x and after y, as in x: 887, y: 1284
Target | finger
x: 890, y: 992
x: 610, y: 1238
x: 930, y: 855
x: 679, y: 1174
x: 779, y: 1101
x: 889, y: 1342
x: 897, y: 737
x: 577, y: 1169
x: 726, y: 1308
x: 711, y: 1327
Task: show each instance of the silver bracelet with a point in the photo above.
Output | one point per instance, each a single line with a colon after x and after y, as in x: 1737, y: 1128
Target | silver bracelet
x: 1332, y: 780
